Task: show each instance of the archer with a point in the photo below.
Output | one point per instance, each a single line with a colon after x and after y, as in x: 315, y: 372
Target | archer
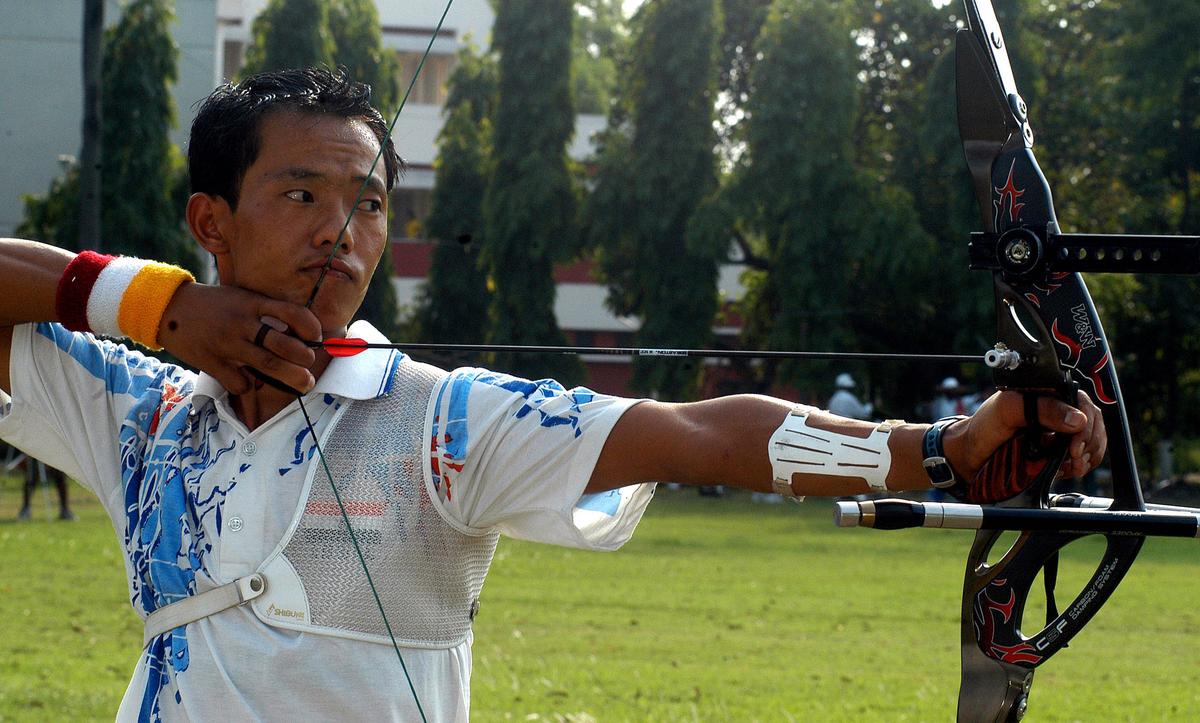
x: 257, y: 523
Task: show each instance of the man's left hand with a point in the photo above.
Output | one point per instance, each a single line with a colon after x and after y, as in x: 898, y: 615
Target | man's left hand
x: 972, y: 442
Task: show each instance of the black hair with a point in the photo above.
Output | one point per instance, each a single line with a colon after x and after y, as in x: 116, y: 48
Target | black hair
x: 225, y: 133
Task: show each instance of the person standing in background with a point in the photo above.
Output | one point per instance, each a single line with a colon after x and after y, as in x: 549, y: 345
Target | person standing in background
x: 844, y: 403
x: 35, y: 471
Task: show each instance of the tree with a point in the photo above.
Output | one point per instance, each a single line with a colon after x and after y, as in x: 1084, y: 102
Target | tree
x: 963, y: 307
x: 650, y: 185
x: 1162, y: 83
x: 530, y: 204
x: 1153, y: 146
x: 358, y: 47
x: 453, y: 304
x: 600, y: 40
x: 290, y: 34
x: 742, y: 22
x: 142, y: 170
x: 53, y: 217
x: 898, y: 44
x: 142, y: 166
x: 841, y: 249
x: 798, y: 172
x: 91, y: 150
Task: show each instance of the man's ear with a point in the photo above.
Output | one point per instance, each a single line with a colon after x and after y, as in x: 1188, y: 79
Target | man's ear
x: 211, y: 221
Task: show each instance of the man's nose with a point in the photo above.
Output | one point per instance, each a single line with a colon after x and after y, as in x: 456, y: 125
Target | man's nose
x: 336, y: 229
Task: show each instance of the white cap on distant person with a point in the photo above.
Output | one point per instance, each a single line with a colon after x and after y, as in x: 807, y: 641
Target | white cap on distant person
x: 948, y: 384
x: 844, y: 381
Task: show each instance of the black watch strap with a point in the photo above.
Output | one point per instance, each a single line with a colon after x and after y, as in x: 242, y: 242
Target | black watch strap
x: 941, y: 474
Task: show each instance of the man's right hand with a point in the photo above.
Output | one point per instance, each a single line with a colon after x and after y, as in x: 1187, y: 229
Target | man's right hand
x: 213, y: 328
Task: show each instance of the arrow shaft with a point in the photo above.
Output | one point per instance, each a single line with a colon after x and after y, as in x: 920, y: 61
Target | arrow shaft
x: 655, y: 352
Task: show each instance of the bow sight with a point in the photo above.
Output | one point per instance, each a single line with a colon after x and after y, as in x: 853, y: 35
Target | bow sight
x: 1049, y: 342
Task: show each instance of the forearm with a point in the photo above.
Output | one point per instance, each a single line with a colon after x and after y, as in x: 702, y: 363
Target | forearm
x: 30, y: 272
x: 725, y: 441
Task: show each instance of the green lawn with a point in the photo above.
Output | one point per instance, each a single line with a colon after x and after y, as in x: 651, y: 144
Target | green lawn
x: 717, y: 610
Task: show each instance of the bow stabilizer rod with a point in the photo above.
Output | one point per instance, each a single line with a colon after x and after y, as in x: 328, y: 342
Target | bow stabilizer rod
x: 899, y: 514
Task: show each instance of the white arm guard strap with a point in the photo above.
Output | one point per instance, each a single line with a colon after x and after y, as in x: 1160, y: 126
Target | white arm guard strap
x: 797, y: 447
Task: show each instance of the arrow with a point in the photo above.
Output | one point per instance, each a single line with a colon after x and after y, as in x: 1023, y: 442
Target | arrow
x: 352, y: 346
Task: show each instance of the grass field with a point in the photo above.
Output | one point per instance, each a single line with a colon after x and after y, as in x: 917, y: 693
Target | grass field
x: 718, y: 610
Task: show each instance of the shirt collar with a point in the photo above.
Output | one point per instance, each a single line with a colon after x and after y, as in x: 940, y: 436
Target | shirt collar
x: 367, y: 375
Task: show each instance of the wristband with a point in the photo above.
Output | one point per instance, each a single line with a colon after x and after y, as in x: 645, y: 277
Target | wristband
x: 146, y: 299
x: 75, y: 287
x: 117, y: 296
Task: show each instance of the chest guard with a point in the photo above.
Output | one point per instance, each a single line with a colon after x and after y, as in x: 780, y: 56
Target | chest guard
x: 427, y: 573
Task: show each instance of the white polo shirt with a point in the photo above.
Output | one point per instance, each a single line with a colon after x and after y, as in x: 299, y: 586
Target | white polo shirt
x: 197, y: 500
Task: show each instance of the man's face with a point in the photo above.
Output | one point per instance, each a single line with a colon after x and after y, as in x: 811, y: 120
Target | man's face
x: 294, y: 200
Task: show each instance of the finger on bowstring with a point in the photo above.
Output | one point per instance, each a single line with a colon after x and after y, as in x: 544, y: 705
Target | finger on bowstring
x: 274, y: 336
x: 271, y: 322
x: 301, y: 321
x: 234, y: 379
x: 266, y: 361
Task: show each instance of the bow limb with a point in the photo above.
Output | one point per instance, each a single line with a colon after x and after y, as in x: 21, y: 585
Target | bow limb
x: 1051, y: 343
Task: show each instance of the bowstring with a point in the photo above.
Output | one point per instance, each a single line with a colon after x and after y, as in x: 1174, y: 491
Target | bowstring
x: 300, y: 397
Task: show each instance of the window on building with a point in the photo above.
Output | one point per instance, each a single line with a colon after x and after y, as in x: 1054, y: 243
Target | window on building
x: 233, y: 57
x: 410, y: 208
x: 431, y: 85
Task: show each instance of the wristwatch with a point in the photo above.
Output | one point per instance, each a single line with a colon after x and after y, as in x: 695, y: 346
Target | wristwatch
x: 941, y: 474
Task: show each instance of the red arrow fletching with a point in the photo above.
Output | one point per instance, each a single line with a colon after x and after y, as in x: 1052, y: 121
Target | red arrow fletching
x: 345, y: 347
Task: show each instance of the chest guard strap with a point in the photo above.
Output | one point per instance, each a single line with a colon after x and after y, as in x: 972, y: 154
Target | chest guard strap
x: 209, y: 602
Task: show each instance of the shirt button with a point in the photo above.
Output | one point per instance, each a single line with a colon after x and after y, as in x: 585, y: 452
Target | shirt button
x: 235, y: 524
x: 249, y: 448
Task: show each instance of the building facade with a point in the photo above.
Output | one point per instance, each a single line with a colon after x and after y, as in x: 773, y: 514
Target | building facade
x: 41, y: 88
x: 41, y: 110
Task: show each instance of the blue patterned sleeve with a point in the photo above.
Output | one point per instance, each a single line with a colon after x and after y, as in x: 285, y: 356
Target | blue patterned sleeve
x: 72, y: 398
x: 515, y: 455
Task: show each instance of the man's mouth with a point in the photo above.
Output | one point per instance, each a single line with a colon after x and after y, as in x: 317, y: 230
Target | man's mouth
x: 337, y: 270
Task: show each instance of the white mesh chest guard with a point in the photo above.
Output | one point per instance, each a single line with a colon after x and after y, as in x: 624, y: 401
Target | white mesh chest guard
x: 428, y: 574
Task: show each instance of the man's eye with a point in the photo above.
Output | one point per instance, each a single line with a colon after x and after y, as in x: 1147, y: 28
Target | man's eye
x: 300, y: 195
x: 370, y: 205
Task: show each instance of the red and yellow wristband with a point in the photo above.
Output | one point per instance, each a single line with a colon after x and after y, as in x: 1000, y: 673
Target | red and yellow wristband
x: 117, y: 296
